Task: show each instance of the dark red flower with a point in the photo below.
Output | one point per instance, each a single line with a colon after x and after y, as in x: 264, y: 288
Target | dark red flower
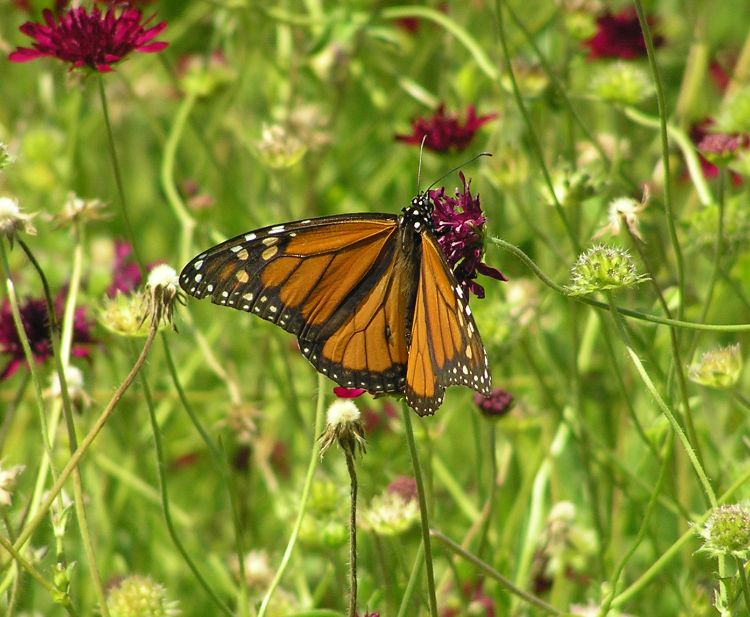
x: 496, y: 405
x: 619, y: 36
x: 409, y: 24
x: 35, y: 321
x: 126, y: 275
x: 719, y: 75
x: 95, y: 40
x: 445, y: 132
x: 404, y: 486
x: 342, y: 392
x: 459, y: 227
x: 716, y: 146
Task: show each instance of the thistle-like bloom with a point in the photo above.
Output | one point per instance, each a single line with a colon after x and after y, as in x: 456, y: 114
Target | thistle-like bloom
x: 140, y: 595
x: 278, y: 148
x: 395, y: 510
x: 719, y: 368
x: 496, y: 405
x: 344, y: 426
x: 8, y: 482
x: 727, y: 532
x: 163, y: 291
x: 12, y: 220
x: 619, y: 36
x: 625, y: 211
x: 445, y: 132
x: 459, y: 227
x: 36, y: 324
x: 717, y: 149
x: 94, y: 39
x: 601, y: 268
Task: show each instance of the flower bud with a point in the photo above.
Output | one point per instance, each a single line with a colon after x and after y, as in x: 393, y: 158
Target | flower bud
x: 719, y: 368
x: 139, y: 596
x: 622, y: 83
x: 727, y: 532
x: 12, y: 220
x: 344, y: 425
x: 603, y: 267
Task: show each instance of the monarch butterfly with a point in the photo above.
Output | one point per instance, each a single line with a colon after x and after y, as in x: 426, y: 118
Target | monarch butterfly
x: 370, y: 297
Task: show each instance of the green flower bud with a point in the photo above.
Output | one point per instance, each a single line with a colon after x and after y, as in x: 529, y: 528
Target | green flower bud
x: 139, y: 596
x: 727, y: 532
x: 603, y: 267
x: 719, y: 368
x: 622, y: 82
x: 278, y: 149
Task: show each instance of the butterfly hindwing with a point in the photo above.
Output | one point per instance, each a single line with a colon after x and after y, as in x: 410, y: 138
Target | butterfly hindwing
x: 446, y: 348
x: 369, y: 349
x: 305, y: 276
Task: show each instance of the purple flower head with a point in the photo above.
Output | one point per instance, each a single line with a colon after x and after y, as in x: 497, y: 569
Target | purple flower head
x: 445, y: 132
x: 619, y: 36
x: 459, y: 227
x: 496, y: 405
x: 126, y: 275
x: 36, y: 324
x: 342, y: 392
x: 93, y: 39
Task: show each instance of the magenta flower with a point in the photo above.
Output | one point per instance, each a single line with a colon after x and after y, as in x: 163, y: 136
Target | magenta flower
x: 619, y: 36
x: 716, y: 148
x: 36, y: 324
x: 444, y: 131
x: 126, y: 275
x: 95, y: 40
x: 342, y: 392
x: 496, y: 405
x: 459, y: 227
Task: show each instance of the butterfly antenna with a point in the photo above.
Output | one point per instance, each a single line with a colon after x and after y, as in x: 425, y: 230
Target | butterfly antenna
x: 471, y: 160
x: 419, y: 168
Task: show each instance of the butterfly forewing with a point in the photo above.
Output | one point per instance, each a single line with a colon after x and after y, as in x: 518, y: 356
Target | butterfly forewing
x: 446, y: 348
x: 306, y: 276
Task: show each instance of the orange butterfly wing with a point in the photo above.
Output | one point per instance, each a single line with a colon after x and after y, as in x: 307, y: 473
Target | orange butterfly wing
x: 446, y: 348
x: 305, y: 276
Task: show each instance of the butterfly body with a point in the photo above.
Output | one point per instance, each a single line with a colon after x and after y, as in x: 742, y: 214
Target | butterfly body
x: 370, y: 298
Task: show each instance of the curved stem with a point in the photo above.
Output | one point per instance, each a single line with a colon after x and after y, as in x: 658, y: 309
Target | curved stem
x: 118, y: 175
x: 664, y: 153
x: 314, y: 457
x: 602, y: 305
x: 406, y: 413
x: 160, y: 465
x: 352, y: 534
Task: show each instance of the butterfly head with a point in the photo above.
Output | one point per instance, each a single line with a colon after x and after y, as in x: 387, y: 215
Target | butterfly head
x: 418, y: 214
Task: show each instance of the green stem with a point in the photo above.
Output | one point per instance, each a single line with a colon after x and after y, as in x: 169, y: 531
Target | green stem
x: 492, y: 573
x: 620, y: 310
x: 406, y: 413
x: 160, y: 467
x: 674, y: 550
x: 118, y: 174
x: 671, y: 225
x: 533, y: 138
x: 61, y: 597
x: 314, y: 456
x: 352, y: 534
x: 743, y: 581
x: 187, y: 223
x: 411, y: 584
x: 86, y: 442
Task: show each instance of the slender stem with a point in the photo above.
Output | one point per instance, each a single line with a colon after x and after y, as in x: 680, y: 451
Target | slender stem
x: 411, y: 584
x: 314, y: 457
x: 186, y: 221
x: 533, y: 138
x: 664, y: 153
x: 60, y: 596
x: 674, y: 550
x: 406, y: 413
x: 352, y: 534
x: 164, y: 493
x: 85, y: 443
x: 743, y: 581
x: 491, y: 572
x: 527, y: 261
x: 118, y: 174
x: 604, y: 610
